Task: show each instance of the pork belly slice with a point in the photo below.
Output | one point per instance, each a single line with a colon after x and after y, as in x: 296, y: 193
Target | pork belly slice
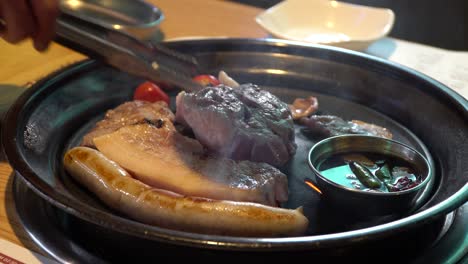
x: 128, y: 113
x: 242, y: 123
x: 158, y: 155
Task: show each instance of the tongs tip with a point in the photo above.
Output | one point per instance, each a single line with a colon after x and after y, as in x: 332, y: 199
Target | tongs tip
x: 153, y: 61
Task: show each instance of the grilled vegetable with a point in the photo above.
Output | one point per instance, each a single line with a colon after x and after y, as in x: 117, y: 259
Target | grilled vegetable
x: 384, y: 173
x: 151, y: 92
x: 364, y: 175
x: 206, y: 79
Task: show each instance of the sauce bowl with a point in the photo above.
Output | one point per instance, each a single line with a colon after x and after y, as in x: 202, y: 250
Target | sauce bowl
x: 343, y: 190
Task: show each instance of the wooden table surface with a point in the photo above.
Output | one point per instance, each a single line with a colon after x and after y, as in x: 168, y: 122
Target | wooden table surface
x: 21, y: 64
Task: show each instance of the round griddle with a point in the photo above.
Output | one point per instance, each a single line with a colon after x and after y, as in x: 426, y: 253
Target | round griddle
x: 56, y: 112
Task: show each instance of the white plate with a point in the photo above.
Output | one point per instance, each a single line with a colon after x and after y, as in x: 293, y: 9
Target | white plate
x: 327, y: 22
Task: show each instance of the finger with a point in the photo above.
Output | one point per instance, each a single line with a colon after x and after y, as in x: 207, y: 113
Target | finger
x: 19, y: 22
x: 45, y: 13
x: 2, y: 23
x: 2, y: 27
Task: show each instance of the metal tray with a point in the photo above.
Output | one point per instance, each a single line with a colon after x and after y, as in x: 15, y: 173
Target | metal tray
x: 57, y: 111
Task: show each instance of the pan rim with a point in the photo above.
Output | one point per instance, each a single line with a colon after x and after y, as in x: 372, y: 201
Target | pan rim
x: 209, y: 241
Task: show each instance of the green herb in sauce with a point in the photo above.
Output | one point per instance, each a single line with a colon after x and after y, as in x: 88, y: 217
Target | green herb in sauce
x: 370, y: 172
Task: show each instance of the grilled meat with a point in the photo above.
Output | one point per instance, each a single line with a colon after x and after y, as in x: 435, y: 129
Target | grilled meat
x: 128, y: 113
x: 242, y: 123
x: 146, y: 143
x: 329, y: 125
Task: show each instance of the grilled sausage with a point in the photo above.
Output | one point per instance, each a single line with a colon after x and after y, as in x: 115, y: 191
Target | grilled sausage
x: 116, y: 188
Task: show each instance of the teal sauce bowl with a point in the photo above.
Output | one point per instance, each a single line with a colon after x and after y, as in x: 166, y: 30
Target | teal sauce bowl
x: 342, y: 190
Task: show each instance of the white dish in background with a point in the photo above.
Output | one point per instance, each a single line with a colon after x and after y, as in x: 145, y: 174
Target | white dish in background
x: 327, y: 22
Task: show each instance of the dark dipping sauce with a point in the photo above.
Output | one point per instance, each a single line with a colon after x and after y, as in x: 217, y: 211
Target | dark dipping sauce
x: 370, y: 171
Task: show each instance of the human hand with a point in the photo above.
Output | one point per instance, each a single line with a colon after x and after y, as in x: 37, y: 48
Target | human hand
x: 23, y: 19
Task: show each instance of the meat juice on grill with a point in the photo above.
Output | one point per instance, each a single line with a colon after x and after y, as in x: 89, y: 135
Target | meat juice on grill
x: 242, y: 123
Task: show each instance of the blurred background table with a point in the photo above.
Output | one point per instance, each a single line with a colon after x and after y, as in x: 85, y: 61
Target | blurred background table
x: 437, y: 23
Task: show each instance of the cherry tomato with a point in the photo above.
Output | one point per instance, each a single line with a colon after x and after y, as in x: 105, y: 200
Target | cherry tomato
x: 206, y: 79
x: 151, y: 92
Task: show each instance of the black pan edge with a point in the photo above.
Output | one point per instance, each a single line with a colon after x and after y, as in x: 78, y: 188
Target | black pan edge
x: 216, y: 242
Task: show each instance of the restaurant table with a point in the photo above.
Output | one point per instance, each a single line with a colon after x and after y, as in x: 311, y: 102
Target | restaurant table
x: 21, y: 65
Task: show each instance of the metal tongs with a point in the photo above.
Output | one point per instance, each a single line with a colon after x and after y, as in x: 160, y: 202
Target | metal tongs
x: 127, y: 53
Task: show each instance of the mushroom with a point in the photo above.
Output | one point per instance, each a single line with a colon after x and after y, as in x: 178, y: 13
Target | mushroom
x: 227, y: 80
x: 303, y: 107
